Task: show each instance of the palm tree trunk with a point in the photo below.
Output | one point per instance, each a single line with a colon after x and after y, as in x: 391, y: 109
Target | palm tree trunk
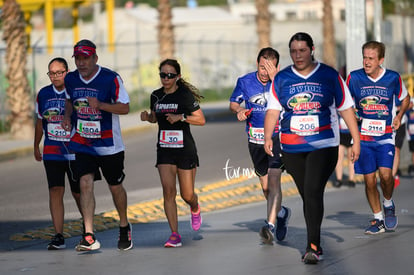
x: 166, y: 41
x: 19, y: 99
x: 263, y: 19
x: 329, y: 50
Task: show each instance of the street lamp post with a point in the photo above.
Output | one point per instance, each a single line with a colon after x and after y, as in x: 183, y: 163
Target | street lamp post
x: 355, y: 32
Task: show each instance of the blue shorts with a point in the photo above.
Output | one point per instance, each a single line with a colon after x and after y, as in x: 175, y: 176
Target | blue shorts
x: 373, y: 157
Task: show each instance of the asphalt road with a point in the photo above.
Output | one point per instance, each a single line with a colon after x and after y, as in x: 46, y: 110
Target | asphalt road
x: 228, y: 243
x: 24, y: 196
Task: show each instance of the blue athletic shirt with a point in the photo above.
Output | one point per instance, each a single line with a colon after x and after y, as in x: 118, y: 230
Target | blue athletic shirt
x: 309, y: 105
x: 255, y: 96
x: 50, y: 108
x: 375, y: 102
x: 97, y: 132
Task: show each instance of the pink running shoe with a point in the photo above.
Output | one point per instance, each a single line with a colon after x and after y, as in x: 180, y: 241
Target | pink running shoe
x: 196, y: 219
x: 396, y: 181
x: 174, y: 240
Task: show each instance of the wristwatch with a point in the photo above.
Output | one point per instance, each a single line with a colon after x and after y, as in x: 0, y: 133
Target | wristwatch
x: 184, y: 118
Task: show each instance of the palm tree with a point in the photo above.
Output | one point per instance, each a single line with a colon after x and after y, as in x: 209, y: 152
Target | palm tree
x: 19, y: 99
x: 166, y: 40
x: 263, y: 19
x: 329, y: 50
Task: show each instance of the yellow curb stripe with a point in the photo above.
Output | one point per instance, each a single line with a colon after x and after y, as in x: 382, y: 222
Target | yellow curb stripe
x: 214, y: 196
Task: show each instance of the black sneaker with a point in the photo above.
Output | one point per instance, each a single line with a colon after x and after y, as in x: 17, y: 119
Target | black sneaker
x: 88, y: 242
x: 410, y: 169
x: 351, y: 183
x: 125, y: 237
x: 267, y: 233
x: 337, y: 183
x: 58, y: 242
x: 282, y: 225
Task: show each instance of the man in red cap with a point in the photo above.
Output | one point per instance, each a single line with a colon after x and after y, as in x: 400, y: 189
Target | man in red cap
x: 97, y: 96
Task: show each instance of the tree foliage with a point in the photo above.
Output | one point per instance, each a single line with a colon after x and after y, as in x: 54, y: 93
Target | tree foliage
x: 404, y: 7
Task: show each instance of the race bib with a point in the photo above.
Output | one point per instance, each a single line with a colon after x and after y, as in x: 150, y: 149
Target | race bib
x: 411, y: 129
x: 88, y: 129
x: 373, y: 127
x: 171, y: 139
x: 256, y: 135
x: 305, y: 125
x: 57, y: 133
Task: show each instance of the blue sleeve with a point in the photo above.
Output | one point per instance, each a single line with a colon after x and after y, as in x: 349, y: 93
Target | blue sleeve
x: 238, y: 92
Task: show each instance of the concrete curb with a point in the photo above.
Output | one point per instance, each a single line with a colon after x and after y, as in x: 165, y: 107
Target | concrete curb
x: 12, y: 149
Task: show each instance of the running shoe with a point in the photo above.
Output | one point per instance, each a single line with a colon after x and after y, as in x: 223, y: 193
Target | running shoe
x: 351, y: 183
x: 88, y: 242
x: 410, y: 169
x: 312, y: 256
x: 337, y: 183
x: 125, y: 237
x: 282, y: 224
x: 390, y: 220
x: 57, y: 242
x: 196, y: 219
x: 376, y: 227
x: 267, y: 233
x: 173, y: 241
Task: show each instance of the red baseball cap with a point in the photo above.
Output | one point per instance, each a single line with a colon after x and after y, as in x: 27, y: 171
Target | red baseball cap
x: 84, y: 47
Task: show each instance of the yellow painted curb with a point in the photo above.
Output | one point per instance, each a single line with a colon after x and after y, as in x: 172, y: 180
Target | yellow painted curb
x: 214, y: 196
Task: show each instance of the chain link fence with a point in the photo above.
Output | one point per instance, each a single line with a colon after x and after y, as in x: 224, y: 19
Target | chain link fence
x: 208, y: 64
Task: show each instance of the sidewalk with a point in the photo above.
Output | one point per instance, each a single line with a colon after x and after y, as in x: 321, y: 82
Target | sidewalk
x: 11, y: 148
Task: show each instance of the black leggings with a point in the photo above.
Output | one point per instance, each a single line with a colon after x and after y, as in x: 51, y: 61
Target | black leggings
x: 311, y: 171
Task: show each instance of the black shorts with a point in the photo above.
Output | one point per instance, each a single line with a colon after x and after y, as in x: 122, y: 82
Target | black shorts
x: 400, y: 135
x: 345, y: 139
x: 262, y: 161
x: 55, y: 173
x: 411, y: 145
x: 182, y: 161
x: 112, y: 167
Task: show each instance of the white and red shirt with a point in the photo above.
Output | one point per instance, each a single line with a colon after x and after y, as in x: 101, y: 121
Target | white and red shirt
x: 96, y: 132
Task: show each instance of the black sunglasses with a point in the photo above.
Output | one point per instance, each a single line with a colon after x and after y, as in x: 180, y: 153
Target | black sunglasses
x: 168, y: 75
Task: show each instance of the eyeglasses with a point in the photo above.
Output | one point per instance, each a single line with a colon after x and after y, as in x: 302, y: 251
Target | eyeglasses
x: 56, y: 74
x: 168, y: 75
